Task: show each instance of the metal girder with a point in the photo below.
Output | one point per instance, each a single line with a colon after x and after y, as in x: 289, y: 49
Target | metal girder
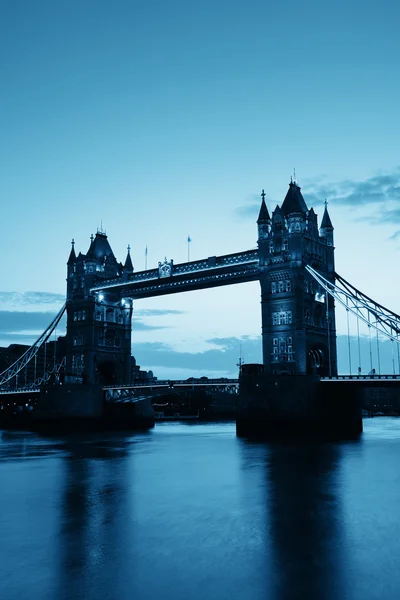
x: 374, y: 315
x: 23, y: 360
x: 136, y: 392
x: 210, y: 272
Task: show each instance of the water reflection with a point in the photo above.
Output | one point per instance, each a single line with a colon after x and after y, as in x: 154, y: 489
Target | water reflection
x: 92, y: 529
x: 194, y: 512
x: 306, y: 520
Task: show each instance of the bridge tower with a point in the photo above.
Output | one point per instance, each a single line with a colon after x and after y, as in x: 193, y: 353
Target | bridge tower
x: 298, y: 318
x: 98, y: 340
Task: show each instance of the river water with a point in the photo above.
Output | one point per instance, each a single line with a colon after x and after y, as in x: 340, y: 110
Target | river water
x: 189, y: 511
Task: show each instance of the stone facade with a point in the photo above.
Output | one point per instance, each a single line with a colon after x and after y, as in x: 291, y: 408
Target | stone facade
x: 98, y: 340
x: 298, y: 317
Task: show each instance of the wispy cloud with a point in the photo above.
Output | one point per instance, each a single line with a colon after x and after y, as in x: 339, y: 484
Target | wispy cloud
x: 18, y: 321
x: 378, y: 190
x: 395, y: 236
x: 379, y: 193
x: 250, y: 207
x: 24, y: 327
x: 157, y: 312
x: 31, y: 298
x: 223, y: 359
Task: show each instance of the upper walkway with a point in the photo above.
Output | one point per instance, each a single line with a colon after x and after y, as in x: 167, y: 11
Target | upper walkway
x: 213, y: 271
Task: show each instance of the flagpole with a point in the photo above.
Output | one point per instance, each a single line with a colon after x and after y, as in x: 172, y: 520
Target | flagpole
x: 188, y: 243
x: 145, y: 259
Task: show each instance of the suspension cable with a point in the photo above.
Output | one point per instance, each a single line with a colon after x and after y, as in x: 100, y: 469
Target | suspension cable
x: 359, y: 349
x: 360, y: 305
x: 23, y: 360
x: 393, y: 361
x: 329, y: 335
x: 377, y: 351
x: 348, y: 334
x: 398, y: 350
x: 370, y: 344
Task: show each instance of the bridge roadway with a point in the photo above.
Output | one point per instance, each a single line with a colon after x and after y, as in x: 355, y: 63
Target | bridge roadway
x: 181, y: 383
x: 136, y: 391
x: 213, y: 271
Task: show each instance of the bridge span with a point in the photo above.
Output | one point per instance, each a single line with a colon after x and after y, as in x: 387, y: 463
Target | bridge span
x: 294, y: 263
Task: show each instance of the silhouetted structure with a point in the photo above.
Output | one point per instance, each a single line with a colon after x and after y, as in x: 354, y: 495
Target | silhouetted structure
x: 298, y: 317
x: 98, y: 325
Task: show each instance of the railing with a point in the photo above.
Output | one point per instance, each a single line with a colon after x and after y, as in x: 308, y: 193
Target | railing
x: 362, y: 378
x: 166, y: 383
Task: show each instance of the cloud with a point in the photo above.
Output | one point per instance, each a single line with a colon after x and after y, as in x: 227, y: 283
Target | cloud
x: 222, y: 362
x: 31, y: 298
x: 223, y: 359
x: 18, y: 321
x: 378, y: 190
x: 157, y: 312
x: 395, y: 235
x: 24, y: 327
x: 250, y: 208
x: 248, y: 211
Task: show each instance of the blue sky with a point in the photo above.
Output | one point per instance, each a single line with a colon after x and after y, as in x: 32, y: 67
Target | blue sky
x: 162, y: 119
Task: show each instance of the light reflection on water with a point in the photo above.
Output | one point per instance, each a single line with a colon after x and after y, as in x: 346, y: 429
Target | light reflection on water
x: 191, y: 511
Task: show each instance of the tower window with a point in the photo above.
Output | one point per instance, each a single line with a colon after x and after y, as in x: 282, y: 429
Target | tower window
x: 273, y: 287
x: 285, y: 245
x: 282, y: 318
x: 271, y: 247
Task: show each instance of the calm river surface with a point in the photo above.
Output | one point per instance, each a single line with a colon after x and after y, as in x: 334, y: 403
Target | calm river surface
x: 192, y: 512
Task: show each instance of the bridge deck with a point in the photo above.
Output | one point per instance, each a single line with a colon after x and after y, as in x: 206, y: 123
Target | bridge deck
x: 214, y: 271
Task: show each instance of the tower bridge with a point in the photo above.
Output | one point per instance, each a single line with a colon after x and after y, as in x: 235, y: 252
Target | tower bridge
x: 294, y: 263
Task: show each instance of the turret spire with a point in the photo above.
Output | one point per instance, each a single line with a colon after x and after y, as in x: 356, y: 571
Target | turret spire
x: 263, y: 214
x: 128, y: 261
x: 72, y: 255
x: 326, y: 222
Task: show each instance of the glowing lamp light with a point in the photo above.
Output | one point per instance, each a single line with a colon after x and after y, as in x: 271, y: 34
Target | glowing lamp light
x: 101, y: 297
x: 123, y: 302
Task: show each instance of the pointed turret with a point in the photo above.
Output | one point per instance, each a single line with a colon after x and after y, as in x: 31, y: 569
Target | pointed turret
x: 128, y: 266
x: 326, y: 229
x: 263, y: 216
x: 326, y: 222
x: 72, y: 255
x: 264, y: 220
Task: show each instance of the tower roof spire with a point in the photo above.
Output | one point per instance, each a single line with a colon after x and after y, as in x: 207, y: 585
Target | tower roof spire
x: 263, y: 214
x: 326, y: 222
x: 72, y: 255
x: 128, y: 266
x: 294, y: 201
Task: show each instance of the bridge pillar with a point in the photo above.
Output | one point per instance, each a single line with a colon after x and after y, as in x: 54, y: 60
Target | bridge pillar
x: 98, y: 336
x: 298, y: 319
x: 284, y: 395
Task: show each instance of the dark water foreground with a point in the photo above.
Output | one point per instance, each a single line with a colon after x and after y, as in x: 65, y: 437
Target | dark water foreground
x: 189, y: 511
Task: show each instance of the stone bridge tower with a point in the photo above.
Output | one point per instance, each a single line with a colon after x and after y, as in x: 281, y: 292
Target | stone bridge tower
x: 298, y: 317
x: 98, y: 340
